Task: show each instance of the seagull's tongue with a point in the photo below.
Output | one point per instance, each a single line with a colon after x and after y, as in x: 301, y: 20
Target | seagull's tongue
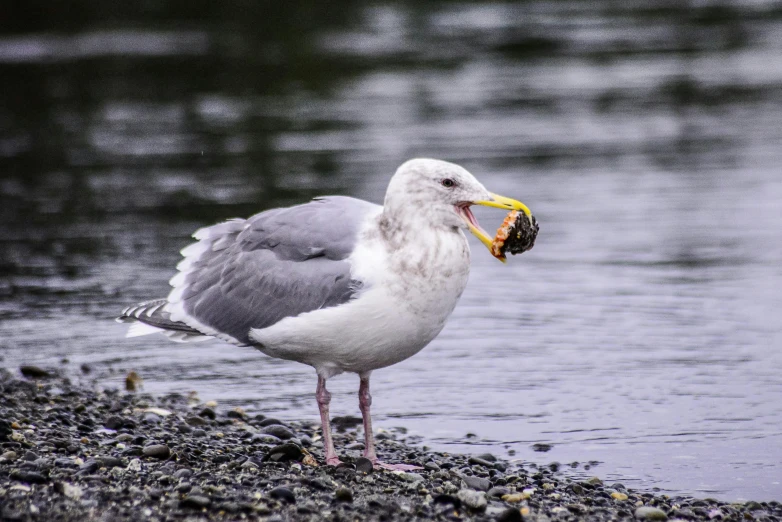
x: 471, y: 218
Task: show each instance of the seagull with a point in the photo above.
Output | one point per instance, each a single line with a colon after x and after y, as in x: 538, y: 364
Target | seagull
x: 338, y: 283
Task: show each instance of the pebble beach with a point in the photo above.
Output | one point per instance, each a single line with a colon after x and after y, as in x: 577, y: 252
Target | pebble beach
x: 71, y: 450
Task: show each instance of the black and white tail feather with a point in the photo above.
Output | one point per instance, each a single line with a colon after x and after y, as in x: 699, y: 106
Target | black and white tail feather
x: 153, y: 317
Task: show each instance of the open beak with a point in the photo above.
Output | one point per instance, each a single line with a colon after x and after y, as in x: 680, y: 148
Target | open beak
x: 496, y: 201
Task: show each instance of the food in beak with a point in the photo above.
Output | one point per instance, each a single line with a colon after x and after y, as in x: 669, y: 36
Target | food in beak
x: 516, y: 234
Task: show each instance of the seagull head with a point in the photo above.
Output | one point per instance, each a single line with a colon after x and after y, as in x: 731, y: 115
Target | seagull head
x: 441, y: 193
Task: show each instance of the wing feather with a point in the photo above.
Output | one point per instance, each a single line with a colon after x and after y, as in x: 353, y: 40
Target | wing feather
x: 250, y: 274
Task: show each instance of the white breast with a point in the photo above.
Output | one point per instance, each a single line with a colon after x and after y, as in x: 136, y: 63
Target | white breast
x: 409, y: 293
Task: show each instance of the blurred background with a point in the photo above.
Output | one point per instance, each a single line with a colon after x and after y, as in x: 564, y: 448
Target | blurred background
x: 640, y: 338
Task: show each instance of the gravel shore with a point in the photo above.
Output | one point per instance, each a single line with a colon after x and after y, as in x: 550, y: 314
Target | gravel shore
x: 75, y: 452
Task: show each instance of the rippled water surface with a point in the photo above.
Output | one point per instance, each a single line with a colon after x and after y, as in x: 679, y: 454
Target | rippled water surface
x: 642, y: 333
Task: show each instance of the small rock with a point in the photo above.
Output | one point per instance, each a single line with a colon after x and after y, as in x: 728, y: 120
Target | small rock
x: 109, y: 462
x: 595, y: 481
x: 85, y: 368
x: 133, y: 382
x: 343, y: 423
x: 267, y: 422
x: 411, y: 477
x: 28, y: 477
x: 364, y: 465
x: 236, y: 413
x: 279, y: 431
x: 195, y: 421
x: 510, y: 515
x: 208, y: 413
x: 34, y: 372
x: 195, y: 501
x: 541, y: 447
x: 265, y: 438
x: 69, y: 490
x: 497, y: 492
x: 284, y: 452
x: 472, y: 499
x: 157, y: 451
x: 480, y: 462
x: 618, y: 496
x: 114, y: 422
x: 9, y: 455
x: 650, y: 513
x: 479, y: 483
x: 134, y: 465
x: 343, y: 495
x: 284, y: 494
x: 183, y: 473
x: 431, y: 466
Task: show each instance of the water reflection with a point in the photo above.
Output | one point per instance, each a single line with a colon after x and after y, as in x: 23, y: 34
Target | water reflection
x: 641, y: 332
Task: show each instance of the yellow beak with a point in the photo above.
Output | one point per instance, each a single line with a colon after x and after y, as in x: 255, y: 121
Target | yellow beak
x: 496, y: 201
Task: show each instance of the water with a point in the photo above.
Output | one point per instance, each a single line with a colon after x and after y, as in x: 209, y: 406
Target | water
x: 642, y: 332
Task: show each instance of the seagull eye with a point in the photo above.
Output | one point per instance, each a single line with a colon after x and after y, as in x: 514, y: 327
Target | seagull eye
x: 448, y: 183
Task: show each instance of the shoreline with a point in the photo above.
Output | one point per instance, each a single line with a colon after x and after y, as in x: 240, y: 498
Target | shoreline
x: 73, y: 451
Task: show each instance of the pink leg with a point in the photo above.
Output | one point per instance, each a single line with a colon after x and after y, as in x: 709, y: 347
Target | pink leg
x: 324, y: 398
x: 364, y: 402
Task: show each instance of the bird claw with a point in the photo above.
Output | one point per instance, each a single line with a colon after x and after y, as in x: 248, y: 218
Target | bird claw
x: 333, y: 461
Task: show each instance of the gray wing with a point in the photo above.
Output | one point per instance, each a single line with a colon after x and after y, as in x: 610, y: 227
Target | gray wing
x: 251, y: 273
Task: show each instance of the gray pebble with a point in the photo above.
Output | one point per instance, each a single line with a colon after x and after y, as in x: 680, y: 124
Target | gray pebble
x: 195, y: 501
x: 183, y: 473
x: 364, y: 465
x: 29, y: 456
x: 265, y: 438
x: 343, y: 495
x: 480, y: 462
x: 196, y: 421
x: 479, y: 483
x: 157, y: 451
x: 650, y: 513
x: 279, y: 431
x: 284, y: 494
x: 497, y: 492
x: 9, y: 455
x: 472, y: 499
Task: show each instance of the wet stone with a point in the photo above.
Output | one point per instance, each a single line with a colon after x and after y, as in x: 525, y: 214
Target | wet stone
x: 479, y: 483
x: 157, y: 451
x: 183, y: 473
x: 264, y: 438
x: 480, y: 462
x: 472, y: 499
x: 364, y: 465
x: 343, y: 495
x: 192, y: 420
x: 30, y: 456
x: 510, y: 515
x: 34, y: 372
x: 29, y: 477
x: 279, y: 431
x: 195, y: 501
x: 284, y: 494
x: 109, y: 462
x: 264, y: 421
x: 285, y: 452
x: 650, y: 513
x: 208, y: 413
x: 497, y: 492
